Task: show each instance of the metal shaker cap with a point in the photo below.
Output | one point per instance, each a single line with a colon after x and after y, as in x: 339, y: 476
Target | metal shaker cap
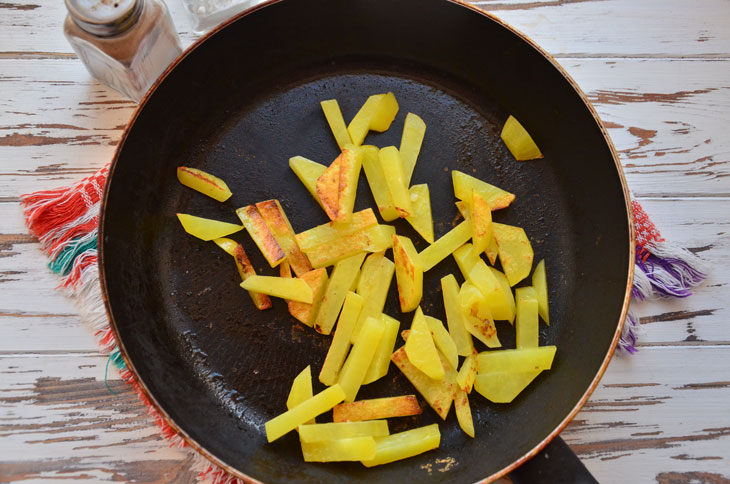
x: 104, y: 18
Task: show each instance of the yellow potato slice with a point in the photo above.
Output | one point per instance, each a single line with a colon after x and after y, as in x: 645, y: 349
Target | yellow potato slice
x: 350, y: 165
x: 342, y: 430
x: 301, y: 390
x: 492, y: 249
x: 463, y: 412
x: 363, y: 349
x: 308, y: 172
x: 341, y: 341
x: 444, y: 343
x: 392, y: 167
x: 245, y: 269
x: 518, y: 141
x: 421, y: 349
x: 437, y: 393
x: 517, y: 360
x: 410, y: 144
x: 304, y: 412
x: 260, y: 233
x: 408, y: 273
x: 443, y: 247
x: 344, y: 273
x: 405, y: 444
x: 294, y: 289
x: 360, y: 124
x: 481, y: 222
x: 205, y: 228
x: 466, y: 259
x: 381, y: 360
x: 515, y: 252
x: 464, y: 184
x: 477, y: 316
x: 279, y: 226
x: 372, y: 239
x: 306, y: 313
x: 385, y: 114
x: 467, y: 373
x: 494, y: 294
x: 332, y: 113
x: 539, y: 282
x: 339, y: 450
x: 377, y: 408
x: 328, y: 188
x: 527, y: 319
x: 421, y: 219
x: 329, y: 232
x: 503, y: 387
x: 204, y: 183
x: 375, y: 279
x: 377, y: 183
x: 454, y: 317
x: 507, y: 293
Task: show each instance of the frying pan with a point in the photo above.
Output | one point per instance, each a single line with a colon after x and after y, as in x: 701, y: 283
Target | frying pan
x: 244, y: 100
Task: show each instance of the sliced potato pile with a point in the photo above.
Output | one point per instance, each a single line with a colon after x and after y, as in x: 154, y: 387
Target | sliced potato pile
x: 350, y: 297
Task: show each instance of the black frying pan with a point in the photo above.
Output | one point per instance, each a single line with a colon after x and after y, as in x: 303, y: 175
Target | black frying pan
x: 243, y: 101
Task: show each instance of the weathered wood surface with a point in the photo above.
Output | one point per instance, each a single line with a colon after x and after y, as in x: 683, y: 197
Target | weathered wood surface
x: 658, y: 73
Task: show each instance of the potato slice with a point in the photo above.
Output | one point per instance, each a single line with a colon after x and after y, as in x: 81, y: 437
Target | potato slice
x: 381, y: 360
x: 342, y: 430
x: 437, y: 393
x: 375, y: 279
x: 341, y: 279
x: 205, y: 228
x: 467, y: 373
x: 339, y: 450
x: 306, y: 313
x: 443, y: 247
x: 464, y: 184
x: 454, y: 317
x: 527, y: 319
x: 481, y: 222
x: 539, y: 282
x: 408, y: 273
x: 329, y: 232
x: 360, y: 124
x: 332, y: 113
x: 304, y: 412
x: 494, y: 294
x: 377, y: 408
x: 466, y: 259
x: 363, y: 349
x: 245, y: 269
x: 507, y: 292
x: 518, y: 141
x: 463, y: 412
x: 372, y: 239
x: 517, y: 360
x: 341, y: 341
x: 444, y: 343
x: 328, y: 188
x: 301, y: 390
x: 421, y: 349
x: 392, y: 167
x: 515, y: 252
x: 350, y: 165
x: 308, y: 172
x: 385, y: 113
x: 204, y: 183
x: 503, y: 387
x: 294, y: 289
x: 410, y: 144
x: 421, y: 219
x: 260, y: 233
x: 492, y: 249
x: 377, y: 183
x: 477, y: 316
x: 281, y: 229
x: 405, y: 444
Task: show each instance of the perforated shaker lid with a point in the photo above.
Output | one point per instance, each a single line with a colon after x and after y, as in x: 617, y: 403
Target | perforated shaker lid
x: 104, y: 17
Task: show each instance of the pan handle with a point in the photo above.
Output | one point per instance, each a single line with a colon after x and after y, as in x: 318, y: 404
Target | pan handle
x: 554, y: 463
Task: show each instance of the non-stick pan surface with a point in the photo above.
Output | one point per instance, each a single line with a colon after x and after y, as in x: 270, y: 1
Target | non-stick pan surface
x: 247, y: 99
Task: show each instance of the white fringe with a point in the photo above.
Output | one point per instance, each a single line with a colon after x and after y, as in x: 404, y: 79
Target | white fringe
x: 643, y: 285
x: 694, y: 265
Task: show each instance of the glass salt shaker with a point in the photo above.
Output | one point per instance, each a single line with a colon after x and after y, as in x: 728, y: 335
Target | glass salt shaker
x: 125, y: 44
x: 206, y: 14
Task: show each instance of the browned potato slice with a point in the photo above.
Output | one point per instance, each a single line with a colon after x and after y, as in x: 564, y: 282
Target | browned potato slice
x: 260, y: 233
x: 376, y: 408
x: 281, y: 229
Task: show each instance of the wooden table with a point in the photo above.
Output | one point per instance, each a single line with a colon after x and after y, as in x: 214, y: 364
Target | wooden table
x: 658, y: 72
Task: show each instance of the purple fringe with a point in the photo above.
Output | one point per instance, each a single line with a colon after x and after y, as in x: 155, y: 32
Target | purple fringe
x: 680, y: 271
x: 627, y: 342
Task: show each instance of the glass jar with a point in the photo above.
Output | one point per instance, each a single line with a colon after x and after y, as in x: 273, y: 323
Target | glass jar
x: 125, y: 44
x: 206, y: 14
